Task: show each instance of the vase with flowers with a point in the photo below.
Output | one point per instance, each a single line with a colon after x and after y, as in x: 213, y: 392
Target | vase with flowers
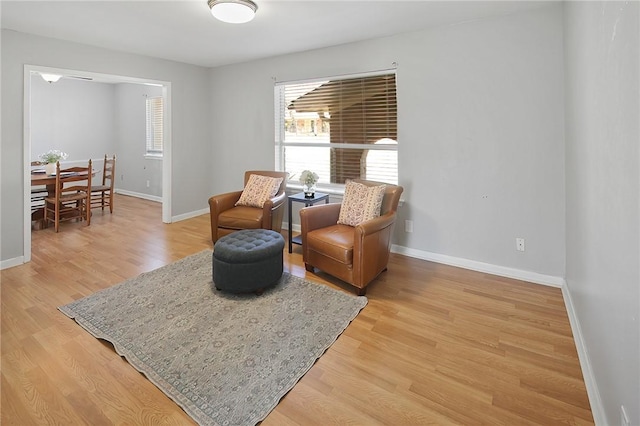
x: 50, y: 158
x: 309, y: 180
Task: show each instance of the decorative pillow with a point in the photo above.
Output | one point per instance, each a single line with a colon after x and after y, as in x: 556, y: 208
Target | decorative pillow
x: 360, y: 203
x: 259, y: 189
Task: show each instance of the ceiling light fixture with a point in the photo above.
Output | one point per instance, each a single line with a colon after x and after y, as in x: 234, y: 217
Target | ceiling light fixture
x: 50, y: 78
x: 233, y: 11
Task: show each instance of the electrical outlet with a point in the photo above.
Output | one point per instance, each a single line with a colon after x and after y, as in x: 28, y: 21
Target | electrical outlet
x: 408, y: 226
x: 520, y: 244
x: 624, y: 419
x: 148, y: 183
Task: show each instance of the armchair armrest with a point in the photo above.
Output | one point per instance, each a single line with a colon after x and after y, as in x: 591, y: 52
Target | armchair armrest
x: 224, y: 202
x: 272, y: 212
x: 371, y: 247
x: 218, y: 204
x: 319, y: 216
x: 274, y: 203
x: 375, y: 225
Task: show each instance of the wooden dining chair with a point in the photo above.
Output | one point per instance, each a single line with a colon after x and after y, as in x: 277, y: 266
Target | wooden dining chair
x: 69, y: 203
x: 102, y: 195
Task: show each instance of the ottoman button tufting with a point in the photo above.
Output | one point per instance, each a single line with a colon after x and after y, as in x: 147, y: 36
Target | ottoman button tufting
x: 248, y: 261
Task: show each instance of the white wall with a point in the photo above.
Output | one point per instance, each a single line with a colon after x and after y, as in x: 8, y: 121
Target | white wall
x: 74, y: 116
x: 89, y: 119
x: 603, y: 187
x: 480, y: 111
x: 133, y: 170
x: 191, y: 136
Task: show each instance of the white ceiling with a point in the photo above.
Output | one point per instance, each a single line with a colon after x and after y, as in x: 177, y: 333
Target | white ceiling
x: 185, y: 31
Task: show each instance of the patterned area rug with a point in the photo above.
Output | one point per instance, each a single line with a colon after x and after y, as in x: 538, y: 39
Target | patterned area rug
x: 225, y: 359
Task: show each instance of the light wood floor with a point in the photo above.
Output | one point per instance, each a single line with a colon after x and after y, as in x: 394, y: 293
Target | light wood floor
x: 434, y: 345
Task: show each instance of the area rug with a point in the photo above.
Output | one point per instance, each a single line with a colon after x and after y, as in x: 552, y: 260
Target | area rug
x: 225, y: 359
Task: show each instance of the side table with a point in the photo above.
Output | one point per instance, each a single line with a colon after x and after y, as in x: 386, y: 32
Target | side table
x: 300, y: 198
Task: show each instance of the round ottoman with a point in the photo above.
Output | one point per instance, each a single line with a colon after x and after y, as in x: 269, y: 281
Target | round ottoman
x: 248, y: 260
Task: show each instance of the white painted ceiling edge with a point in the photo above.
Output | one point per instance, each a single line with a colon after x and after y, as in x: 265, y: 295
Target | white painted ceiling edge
x: 185, y: 31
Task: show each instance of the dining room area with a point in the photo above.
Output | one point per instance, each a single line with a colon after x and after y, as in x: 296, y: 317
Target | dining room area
x: 80, y: 128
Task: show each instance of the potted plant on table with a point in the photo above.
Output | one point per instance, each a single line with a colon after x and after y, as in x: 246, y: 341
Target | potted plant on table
x: 50, y: 158
x: 309, y: 180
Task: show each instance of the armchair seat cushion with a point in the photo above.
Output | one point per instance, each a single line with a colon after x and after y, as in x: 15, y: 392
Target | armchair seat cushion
x: 335, y: 242
x: 240, y: 217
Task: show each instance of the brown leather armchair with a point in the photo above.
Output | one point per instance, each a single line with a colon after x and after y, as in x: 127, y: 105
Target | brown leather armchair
x: 226, y: 217
x: 357, y: 254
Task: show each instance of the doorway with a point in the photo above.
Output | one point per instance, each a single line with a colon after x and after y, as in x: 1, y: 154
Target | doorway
x: 31, y: 71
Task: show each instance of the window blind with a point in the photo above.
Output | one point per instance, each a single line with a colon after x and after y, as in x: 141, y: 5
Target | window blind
x: 155, y: 114
x: 341, y: 128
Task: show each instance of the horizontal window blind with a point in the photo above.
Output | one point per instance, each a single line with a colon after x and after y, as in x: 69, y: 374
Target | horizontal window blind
x: 341, y: 128
x: 155, y: 114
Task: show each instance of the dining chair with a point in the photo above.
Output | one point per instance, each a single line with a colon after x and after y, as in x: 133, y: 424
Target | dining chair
x: 71, y: 202
x: 102, y: 195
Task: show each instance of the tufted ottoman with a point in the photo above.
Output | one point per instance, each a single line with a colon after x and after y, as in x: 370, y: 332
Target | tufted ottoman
x: 248, y: 260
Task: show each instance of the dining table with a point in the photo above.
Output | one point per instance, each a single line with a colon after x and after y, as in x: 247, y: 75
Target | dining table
x: 40, y: 179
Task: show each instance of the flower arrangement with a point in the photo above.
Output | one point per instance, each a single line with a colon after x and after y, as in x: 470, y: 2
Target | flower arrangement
x: 309, y: 178
x: 53, y: 156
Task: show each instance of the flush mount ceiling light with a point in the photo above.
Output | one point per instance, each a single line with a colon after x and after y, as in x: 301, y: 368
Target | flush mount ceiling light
x: 233, y: 11
x: 50, y: 78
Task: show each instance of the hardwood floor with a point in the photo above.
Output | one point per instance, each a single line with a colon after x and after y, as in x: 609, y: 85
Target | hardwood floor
x: 435, y: 344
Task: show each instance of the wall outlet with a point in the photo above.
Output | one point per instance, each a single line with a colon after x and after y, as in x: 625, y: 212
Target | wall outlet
x: 148, y: 183
x: 408, y: 226
x: 520, y: 244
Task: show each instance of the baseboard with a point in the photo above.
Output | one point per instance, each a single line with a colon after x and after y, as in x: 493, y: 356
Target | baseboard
x: 295, y: 227
x: 189, y: 215
x: 10, y: 263
x: 488, y: 268
x: 139, y: 195
x: 597, y: 408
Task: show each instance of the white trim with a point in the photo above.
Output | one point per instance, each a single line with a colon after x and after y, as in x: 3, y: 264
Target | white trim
x: 189, y: 215
x: 338, y: 77
x: 488, y: 268
x: 361, y: 147
x: 597, y: 408
x: 10, y: 263
x: 294, y: 227
x: 26, y: 176
x: 154, y: 198
x: 166, y: 154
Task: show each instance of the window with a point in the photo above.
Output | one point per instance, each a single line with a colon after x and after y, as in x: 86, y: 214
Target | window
x: 155, y: 109
x: 340, y: 128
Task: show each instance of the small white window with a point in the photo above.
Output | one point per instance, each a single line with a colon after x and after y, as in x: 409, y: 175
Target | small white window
x: 155, y: 114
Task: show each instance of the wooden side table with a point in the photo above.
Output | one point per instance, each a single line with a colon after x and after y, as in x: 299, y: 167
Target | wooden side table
x: 300, y: 198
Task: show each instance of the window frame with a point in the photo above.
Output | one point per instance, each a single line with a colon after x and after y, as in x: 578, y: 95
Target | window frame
x: 280, y: 134
x: 154, y: 119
